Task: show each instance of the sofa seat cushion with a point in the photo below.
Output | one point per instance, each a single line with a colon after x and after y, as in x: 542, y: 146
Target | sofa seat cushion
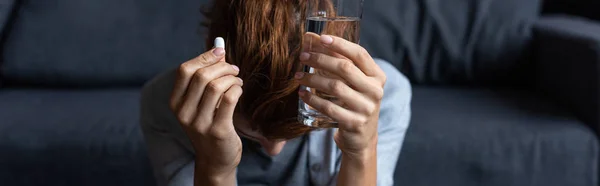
x: 63, y: 137
x: 494, y: 137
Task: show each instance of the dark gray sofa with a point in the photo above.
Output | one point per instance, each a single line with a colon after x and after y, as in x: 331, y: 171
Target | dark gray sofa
x: 504, y: 94
x: 71, y: 72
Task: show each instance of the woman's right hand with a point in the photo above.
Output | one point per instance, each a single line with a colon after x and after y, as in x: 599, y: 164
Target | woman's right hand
x: 204, y: 98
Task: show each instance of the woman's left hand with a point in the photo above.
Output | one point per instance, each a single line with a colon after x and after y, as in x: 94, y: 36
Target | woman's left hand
x: 358, y: 88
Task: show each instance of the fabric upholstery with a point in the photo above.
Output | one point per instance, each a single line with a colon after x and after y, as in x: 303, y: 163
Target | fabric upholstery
x: 495, y: 137
x: 451, y: 42
x: 100, y: 42
x: 66, y: 137
x: 459, y: 136
x: 414, y: 35
x: 568, y: 64
x: 583, y: 8
x: 6, y: 12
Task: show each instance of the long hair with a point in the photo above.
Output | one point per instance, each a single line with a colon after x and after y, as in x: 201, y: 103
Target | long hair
x: 263, y: 38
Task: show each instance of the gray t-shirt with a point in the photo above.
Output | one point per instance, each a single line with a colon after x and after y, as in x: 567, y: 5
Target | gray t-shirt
x: 311, y: 160
x: 290, y: 167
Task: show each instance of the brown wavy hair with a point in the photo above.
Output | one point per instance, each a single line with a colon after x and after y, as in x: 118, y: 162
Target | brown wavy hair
x: 263, y: 38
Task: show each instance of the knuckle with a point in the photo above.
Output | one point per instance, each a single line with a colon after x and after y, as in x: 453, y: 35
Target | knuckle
x: 363, y: 53
x: 201, y: 75
x: 346, y: 67
x: 363, y: 121
x: 383, y: 79
x: 337, y: 87
x: 229, y: 99
x: 217, y: 133
x: 357, y: 123
x: 370, y: 108
x: 185, y: 69
x: 378, y: 93
x: 214, y: 87
x: 353, y: 127
x: 184, y: 119
x: 317, y: 58
x: 200, y: 124
x: 329, y: 109
x: 235, y: 91
x: 356, y: 120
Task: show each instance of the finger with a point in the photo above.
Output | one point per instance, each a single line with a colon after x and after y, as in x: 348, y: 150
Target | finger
x: 224, y: 115
x: 187, y: 70
x: 311, y: 42
x: 208, y: 58
x: 347, y: 97
x: 199, y: 81
x: 340, y: 67
x: 212, y: 94
x: 346, y: 119
x: 354, y: 52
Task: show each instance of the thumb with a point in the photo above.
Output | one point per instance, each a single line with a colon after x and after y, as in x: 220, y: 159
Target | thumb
x: 211, y: 57
x: 214, y: 55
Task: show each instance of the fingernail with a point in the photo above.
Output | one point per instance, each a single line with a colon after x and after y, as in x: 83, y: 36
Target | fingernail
x: 299, y: 75
x: 236, y: 68
x: 241, y: 81
x: 304, y: 56
x: 218, y: 51
x: 302, y: 93
x: 326, y: 39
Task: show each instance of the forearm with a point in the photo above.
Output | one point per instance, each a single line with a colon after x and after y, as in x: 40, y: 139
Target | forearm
x: 203, y: 176
x: 360, y: 170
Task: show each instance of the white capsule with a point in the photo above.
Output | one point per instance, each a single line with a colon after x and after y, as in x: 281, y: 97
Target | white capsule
x: 219, y: 42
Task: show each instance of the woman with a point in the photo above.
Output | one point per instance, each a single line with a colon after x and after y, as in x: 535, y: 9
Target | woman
x: 228, y: 116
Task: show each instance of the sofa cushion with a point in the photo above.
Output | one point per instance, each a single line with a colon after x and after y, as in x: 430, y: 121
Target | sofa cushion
x: 583, y: 8
x: 493, y: 137
x: 100, y: 42
x: 6, y: 12
x: 60, y: 137
x: 450, y: 41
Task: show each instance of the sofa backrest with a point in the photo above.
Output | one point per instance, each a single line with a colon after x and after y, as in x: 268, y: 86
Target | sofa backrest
x: 6, y: 12
x: 126, y: 42
x: 452, y: 41
x: 99, y: 42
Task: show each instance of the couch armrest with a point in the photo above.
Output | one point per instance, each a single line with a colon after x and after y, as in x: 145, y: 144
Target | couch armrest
x: 583, y: 8
x: 567, y: 63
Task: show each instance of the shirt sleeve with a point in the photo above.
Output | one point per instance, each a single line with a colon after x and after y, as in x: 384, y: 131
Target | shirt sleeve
x: 169, y: 150
x: 394, y: 118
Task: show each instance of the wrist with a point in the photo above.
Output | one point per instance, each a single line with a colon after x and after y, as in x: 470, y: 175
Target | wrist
x: 361, y: 158
x: 359, y: 168
x: 213, y: 167
x: 368, y: 152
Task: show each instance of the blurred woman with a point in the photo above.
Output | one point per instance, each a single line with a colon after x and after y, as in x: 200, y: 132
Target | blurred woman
x: 229, y: 116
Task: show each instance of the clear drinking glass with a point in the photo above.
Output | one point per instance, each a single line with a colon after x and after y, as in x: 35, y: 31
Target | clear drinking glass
x: 331, y: 17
